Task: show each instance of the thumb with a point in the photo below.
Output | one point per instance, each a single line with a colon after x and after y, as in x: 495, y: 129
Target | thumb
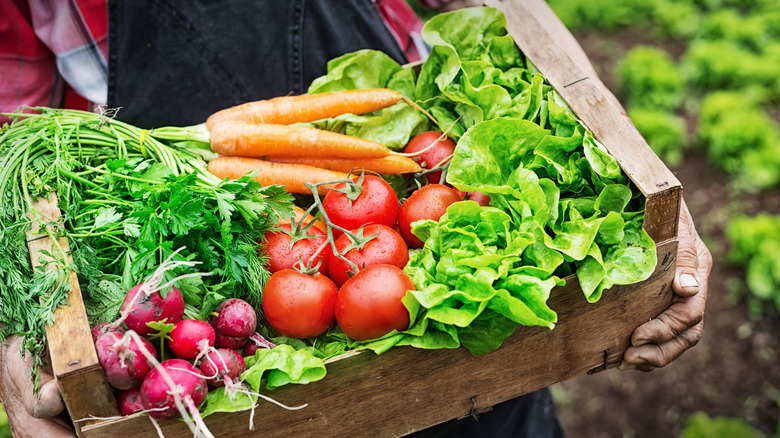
x: 49, y: 402
x: 686, y: 283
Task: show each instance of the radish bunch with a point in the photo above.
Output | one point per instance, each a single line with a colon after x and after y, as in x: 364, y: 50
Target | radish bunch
x: 191, y: 341
x: 206, y: 353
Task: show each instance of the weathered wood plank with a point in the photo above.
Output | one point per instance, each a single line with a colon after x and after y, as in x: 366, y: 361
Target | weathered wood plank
x: 407, y: 389
x: 72, y: 354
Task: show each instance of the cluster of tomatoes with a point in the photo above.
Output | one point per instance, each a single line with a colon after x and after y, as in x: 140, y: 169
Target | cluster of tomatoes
x: 358, y: 282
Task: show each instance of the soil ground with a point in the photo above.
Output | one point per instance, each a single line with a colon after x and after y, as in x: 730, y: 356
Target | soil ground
x: 732, y: 372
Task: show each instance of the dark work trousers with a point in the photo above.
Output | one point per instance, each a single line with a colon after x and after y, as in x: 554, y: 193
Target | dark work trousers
x: 530, y: 416
x: 175, y: 62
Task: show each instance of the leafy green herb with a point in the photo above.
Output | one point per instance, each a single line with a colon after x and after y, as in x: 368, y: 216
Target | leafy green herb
x: 220, y: 226
x: 129, y: 199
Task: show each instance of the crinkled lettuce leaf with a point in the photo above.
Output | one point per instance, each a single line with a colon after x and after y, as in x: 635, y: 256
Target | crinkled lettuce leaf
x: 364, y: 69
x: 281, y: 365
x: 276, y: 367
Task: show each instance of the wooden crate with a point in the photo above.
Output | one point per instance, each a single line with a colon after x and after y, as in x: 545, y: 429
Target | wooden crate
x: 407, y: 389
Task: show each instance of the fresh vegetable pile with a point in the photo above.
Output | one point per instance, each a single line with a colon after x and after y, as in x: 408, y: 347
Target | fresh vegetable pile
x: 433, y: 208
x: 559, y: 204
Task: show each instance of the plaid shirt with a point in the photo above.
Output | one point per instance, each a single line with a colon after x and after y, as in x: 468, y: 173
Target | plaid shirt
x: 53, y: 52
x: 405, y: 26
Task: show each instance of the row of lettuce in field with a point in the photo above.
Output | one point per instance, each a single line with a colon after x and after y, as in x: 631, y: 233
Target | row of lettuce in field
x: 559, y: 205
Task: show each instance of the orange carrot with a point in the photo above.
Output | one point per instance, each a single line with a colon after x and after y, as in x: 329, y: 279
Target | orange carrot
x: 294, y: 176
x: 308, y: 107
x: 260, y: 140
x: 389, y: 165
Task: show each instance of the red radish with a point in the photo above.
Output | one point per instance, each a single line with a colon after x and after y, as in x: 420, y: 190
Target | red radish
x: 431, y: 149
x: 123, y: 362
x: 256, y: 342
x: 142, y: 306
x: 104, y: 327
x: 221, y: 364
x: 173, y: 378
x: 129, y: 401
x: 234, y: 323
x: 190, y: 337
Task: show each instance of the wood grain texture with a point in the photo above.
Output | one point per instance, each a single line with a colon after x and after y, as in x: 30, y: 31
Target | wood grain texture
x: 72, y: 354
x: 408, y: 389
x: 539, y: 34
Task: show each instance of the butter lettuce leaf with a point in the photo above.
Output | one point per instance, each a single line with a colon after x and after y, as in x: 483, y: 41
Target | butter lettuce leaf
x: 269, y: 367
x: 282, y: 365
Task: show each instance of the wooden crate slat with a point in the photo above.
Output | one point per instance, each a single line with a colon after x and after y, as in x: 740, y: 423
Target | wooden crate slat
x: 72, y: 354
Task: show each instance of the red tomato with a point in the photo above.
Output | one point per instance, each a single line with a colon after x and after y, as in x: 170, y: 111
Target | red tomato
x: 460, y: 193
x: 429, y: 202
x: 283, y: 254
x: 376, y: 204
x: 388, y: 247
x: 369, y: 304
x: 299, y: 305
x: 438, y: 151
x: 480, y: 198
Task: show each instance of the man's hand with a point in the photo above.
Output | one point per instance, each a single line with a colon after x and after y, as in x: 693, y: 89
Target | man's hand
x: 28, y: 415
x: 661, y: 340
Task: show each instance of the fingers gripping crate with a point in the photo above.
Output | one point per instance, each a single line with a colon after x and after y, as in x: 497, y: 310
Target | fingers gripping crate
x: 408, y: 389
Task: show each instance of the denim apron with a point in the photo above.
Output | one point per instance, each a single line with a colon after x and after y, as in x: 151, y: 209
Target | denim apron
x: 175, y: 62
